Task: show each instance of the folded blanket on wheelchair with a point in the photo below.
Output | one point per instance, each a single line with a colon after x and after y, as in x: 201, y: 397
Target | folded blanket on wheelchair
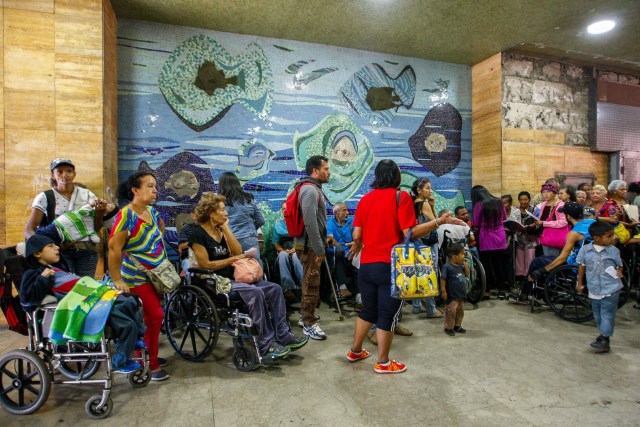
x: 82, y: 314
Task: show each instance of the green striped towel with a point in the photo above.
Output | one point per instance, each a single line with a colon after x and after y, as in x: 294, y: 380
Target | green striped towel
x: 78, y: 226
x: 82, y: 314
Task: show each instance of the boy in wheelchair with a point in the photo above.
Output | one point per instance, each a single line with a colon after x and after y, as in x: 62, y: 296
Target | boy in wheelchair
x: 47, y: 276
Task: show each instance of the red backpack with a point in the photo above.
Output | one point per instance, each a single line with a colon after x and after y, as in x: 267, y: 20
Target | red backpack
x: 293, y: 216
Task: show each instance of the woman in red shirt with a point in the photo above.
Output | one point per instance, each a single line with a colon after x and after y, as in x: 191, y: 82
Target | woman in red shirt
x: 382, y: 221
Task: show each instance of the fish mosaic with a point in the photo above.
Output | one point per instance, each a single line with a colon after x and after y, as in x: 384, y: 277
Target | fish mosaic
x: 201, y: 81
x: 440, y: 86
x: 375, y: 96
x: 436, y: 143
x: 253, y: 160
x: 180, y: 183
x: 349, y: 152
x: 195, y: 103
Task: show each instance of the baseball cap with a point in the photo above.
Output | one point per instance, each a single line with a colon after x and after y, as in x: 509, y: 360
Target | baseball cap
x: 35, y: 244
x: 61, y: 161
x: 574, y: 209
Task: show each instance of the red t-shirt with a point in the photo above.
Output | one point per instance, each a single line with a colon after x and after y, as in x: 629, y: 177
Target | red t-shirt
x: 382, y: 221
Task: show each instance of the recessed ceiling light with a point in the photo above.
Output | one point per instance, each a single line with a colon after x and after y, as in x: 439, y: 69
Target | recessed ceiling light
x: 601, y: 27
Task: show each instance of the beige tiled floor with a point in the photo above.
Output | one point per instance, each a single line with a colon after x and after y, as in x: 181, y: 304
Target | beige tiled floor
x: 512, y: 368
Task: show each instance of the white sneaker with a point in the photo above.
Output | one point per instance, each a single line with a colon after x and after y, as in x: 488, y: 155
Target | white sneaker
x: 301, y: 323
x: 314, y: 332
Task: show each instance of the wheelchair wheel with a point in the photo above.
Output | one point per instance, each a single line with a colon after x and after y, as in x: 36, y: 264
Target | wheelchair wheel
x: 91, y: 407
x: 78, y: 369
x: 478, y: 282
x: 560, y: 293
x: 139, y: 379
x: 244, y: 359
x: 25, y: 382
x: 191, y: 322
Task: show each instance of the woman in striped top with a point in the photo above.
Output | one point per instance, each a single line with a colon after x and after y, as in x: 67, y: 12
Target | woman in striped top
x: 137, y: 233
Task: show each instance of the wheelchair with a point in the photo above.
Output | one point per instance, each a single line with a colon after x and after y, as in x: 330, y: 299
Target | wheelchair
x: 477, y: 280
x: 196, y: 313
x: 558, y: 291
x: 27, y: 374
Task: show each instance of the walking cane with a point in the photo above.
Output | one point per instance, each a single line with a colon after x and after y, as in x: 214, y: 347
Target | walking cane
x: 333, y: 288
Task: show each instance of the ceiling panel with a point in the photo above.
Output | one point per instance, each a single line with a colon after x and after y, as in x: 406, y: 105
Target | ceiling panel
x: 458, y: 31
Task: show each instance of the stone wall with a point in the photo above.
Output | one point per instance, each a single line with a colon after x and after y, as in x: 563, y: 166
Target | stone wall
x: 540, y: 94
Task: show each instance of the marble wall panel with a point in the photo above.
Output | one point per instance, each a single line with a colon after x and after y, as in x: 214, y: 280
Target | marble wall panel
x: 83, y: 8
x: 29, y: 69
x: 28, y: 30
x: 32, y: 5
x: 78, y: 35
x: 27, y: 149
x: 79, y: 112
x: 30, y: 109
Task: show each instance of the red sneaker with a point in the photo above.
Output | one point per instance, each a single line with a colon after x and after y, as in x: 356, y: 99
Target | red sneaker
x: 392, y: 368
x: 354, y: 357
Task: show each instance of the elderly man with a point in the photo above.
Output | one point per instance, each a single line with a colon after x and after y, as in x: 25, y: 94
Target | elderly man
x: 339, y: 229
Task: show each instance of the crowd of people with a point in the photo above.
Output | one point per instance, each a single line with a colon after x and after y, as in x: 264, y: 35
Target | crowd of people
x: 516, y: 245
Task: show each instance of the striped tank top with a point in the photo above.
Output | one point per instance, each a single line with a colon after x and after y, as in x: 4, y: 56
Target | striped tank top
x: 144, y: 242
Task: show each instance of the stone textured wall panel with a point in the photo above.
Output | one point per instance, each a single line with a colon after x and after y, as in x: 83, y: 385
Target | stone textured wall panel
x: 516, y: 67
x: 546, y: 95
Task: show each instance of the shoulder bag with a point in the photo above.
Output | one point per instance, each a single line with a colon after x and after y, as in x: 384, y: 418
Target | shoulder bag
x: 554, y: 237
x: 413, y: 271
x: 164, y: 277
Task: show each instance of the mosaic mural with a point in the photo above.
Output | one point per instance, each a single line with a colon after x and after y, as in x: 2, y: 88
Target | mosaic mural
x: 194, y: 103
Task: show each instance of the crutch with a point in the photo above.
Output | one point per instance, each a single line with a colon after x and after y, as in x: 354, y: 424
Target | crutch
x: 333, y: 288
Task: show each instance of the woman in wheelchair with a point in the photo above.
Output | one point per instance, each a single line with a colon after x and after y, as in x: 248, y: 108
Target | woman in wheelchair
x: 216, y: 248
x: 47, y: 275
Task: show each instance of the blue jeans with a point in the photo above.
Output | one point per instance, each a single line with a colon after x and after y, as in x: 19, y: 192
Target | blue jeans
x: 289, y: 265
x: 81, y: 262
x: 549, y: 251
x: 604, y: 311
x: 430, y: 303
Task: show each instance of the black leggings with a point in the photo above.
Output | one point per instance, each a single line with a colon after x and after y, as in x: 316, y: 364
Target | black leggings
x: 496, y: 268
x: 375, y: 286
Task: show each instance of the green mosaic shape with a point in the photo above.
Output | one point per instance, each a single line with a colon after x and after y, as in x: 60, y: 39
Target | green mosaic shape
x: 349, y: 152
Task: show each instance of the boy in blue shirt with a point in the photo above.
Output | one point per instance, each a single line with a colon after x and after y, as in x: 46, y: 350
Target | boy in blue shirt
x: 600, y: 261
x: 453, y: 288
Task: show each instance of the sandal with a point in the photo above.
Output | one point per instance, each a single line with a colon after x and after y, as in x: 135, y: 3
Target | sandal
x: 437, y: 315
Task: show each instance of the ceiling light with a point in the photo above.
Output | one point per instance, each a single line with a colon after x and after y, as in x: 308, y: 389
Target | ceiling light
x: 601, y: 27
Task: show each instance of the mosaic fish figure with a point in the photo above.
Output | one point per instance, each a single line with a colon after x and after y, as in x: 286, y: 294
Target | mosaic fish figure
x: 201, y: 81
x: 436, y: 143
x: 180, y: 183
x: 441, y: 86
x: 209, y: 78
x: 302, y: 79
x: 375, y: 96
x: 253, y: 160
x: 349, y: 152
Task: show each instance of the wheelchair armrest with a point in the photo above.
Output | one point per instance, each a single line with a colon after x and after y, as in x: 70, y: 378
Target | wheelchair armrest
x: 201, y: 271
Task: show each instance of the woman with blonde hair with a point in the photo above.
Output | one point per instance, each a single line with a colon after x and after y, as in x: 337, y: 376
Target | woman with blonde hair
x: 598, y: 193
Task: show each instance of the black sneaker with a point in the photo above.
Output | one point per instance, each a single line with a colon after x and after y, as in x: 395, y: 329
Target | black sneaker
x: 601, y: 345
x: 450, y: 332
x: 297, y: 342
x: 277, y: 350
x: 459, y: 330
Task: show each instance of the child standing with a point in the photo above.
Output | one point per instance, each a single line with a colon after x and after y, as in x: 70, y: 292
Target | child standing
x: 453, y: 285
x: 603, y: 266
